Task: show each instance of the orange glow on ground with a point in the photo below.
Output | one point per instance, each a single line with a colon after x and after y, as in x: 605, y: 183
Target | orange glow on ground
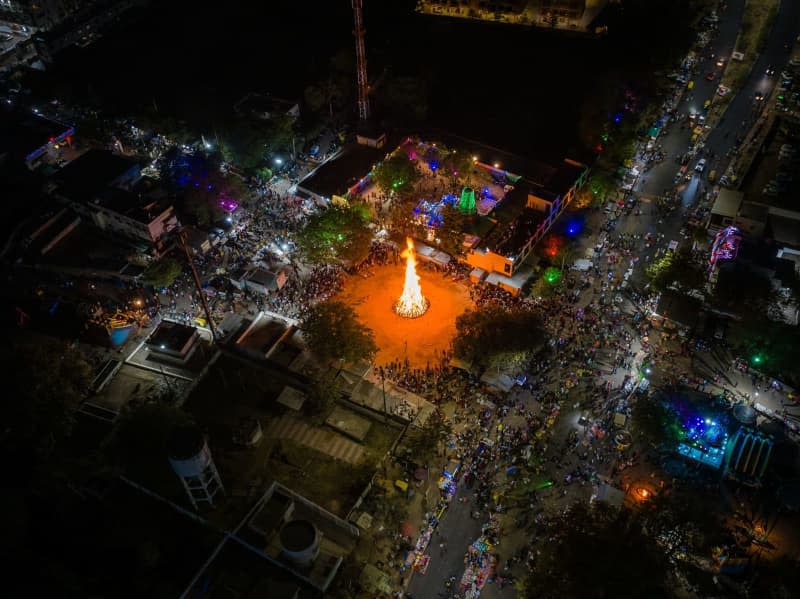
x: 422, y: 340
x: 411, y: 303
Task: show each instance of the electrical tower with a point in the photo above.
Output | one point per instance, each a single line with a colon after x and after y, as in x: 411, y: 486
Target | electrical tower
x: 361, y: 61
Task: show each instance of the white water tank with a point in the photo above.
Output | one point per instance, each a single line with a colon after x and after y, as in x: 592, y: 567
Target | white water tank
x: 189, y: 455
x: 300, y: 541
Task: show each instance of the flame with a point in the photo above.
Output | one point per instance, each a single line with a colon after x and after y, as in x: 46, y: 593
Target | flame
x: 411, y: 304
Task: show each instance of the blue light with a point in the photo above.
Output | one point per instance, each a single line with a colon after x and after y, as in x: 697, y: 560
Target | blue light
x: 618, y: 118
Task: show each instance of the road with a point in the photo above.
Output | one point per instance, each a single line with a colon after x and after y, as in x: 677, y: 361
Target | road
x: 458, y: 529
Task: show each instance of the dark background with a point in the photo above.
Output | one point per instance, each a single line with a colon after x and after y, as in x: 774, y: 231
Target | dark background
x: 526, y: 90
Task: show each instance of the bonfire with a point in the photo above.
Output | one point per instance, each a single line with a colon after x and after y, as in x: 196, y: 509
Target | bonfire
x: 411, y: 304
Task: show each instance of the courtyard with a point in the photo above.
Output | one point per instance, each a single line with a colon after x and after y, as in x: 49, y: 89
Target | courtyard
x: 419, y: 340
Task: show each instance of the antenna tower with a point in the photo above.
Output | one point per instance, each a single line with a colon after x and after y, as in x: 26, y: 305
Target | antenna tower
x: 361, y: 61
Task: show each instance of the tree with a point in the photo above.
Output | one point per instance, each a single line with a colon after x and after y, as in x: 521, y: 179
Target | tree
x: 315, y: 97
x: 279, y: 132
x: 138, y: 443
x: 683, y: 520
x: 742, y: 288
x: 459, y: 165
x: 336, y: 234
x: 495, y: 335
x: 599, y: 187
x: 396, y: 174
x: 162, y: 272
x: 676, y: 269
x: 424, y: 441
x: 323, y: 395
x: 333, y: 332
x: 653, y: 423
x: 205, y: 192
x: 454, y: 224
x: 406, y: 97
x: 45, y: 384
x: 244, y: 145
x: 597, y: 552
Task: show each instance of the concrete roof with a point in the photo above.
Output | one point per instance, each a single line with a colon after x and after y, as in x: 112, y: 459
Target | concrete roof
x: 728, y: 203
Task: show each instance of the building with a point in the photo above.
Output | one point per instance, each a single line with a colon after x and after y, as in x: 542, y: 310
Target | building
x: 723, y: 212
x: 101, y: 187
x: 334, y: 177
x: 173, y: 342
x: 259, y: 280
x: 41, y: 14
x: 265, y: 107
x: 28, y: 138
x: 562, y: 10
x: 747, y: 456
x: 566, y: 14
x: 530, y: 209
x: 59, y: 24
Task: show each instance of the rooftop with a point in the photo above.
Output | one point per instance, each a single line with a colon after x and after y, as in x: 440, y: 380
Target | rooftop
x: 335, y: 176
x: 21, y: 132
x: 91, y: 172
x: 171, y: 336
x: 129, y: 204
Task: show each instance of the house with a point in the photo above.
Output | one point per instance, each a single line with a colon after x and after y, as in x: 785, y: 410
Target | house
x: 259, y: 280
x: 303, y: 541
x: 173, y: 342
x: 26, y: 137
x: 263, y: 281
x: 102, y: 187
x: 724, y: 211
x: 535, y: 203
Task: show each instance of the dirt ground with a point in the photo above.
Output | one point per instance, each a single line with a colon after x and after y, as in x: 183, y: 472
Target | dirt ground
x: 421, y: 340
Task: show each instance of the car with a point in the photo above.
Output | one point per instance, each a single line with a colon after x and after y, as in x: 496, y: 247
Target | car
x: 721, y: 61
x: 710, y: 76
x: 759, y: 96
x: 770, y: 71
x: 706, y: 104
x: 722, y: 90
x: 700, y: 166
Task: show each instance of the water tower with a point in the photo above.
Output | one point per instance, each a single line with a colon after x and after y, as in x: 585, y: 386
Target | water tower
x: 300, y: 542
x: 191, y: 460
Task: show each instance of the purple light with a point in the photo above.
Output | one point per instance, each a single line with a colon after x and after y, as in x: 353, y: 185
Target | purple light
x: 229, y: 205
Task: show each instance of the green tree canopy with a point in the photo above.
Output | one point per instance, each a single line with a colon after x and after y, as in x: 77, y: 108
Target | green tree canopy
x: 743, y: 289
x: 676, y: 269
x: 138, y: 443
x: 424, y: 441
x: 397, y: 173
x: 162, y: 272
x: 454, y: 224
x: 202, y: 197
x: 244, y: 144
x: 599, y: 188
x: 598, y: 552
x: 496, y: 335
x: 45, y: 384
x: 323, y: 395
x: 460, y: 163
x: 405, y: 96
x: 336, y: 235
x: 653, y: 423
x: 334, y: 332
